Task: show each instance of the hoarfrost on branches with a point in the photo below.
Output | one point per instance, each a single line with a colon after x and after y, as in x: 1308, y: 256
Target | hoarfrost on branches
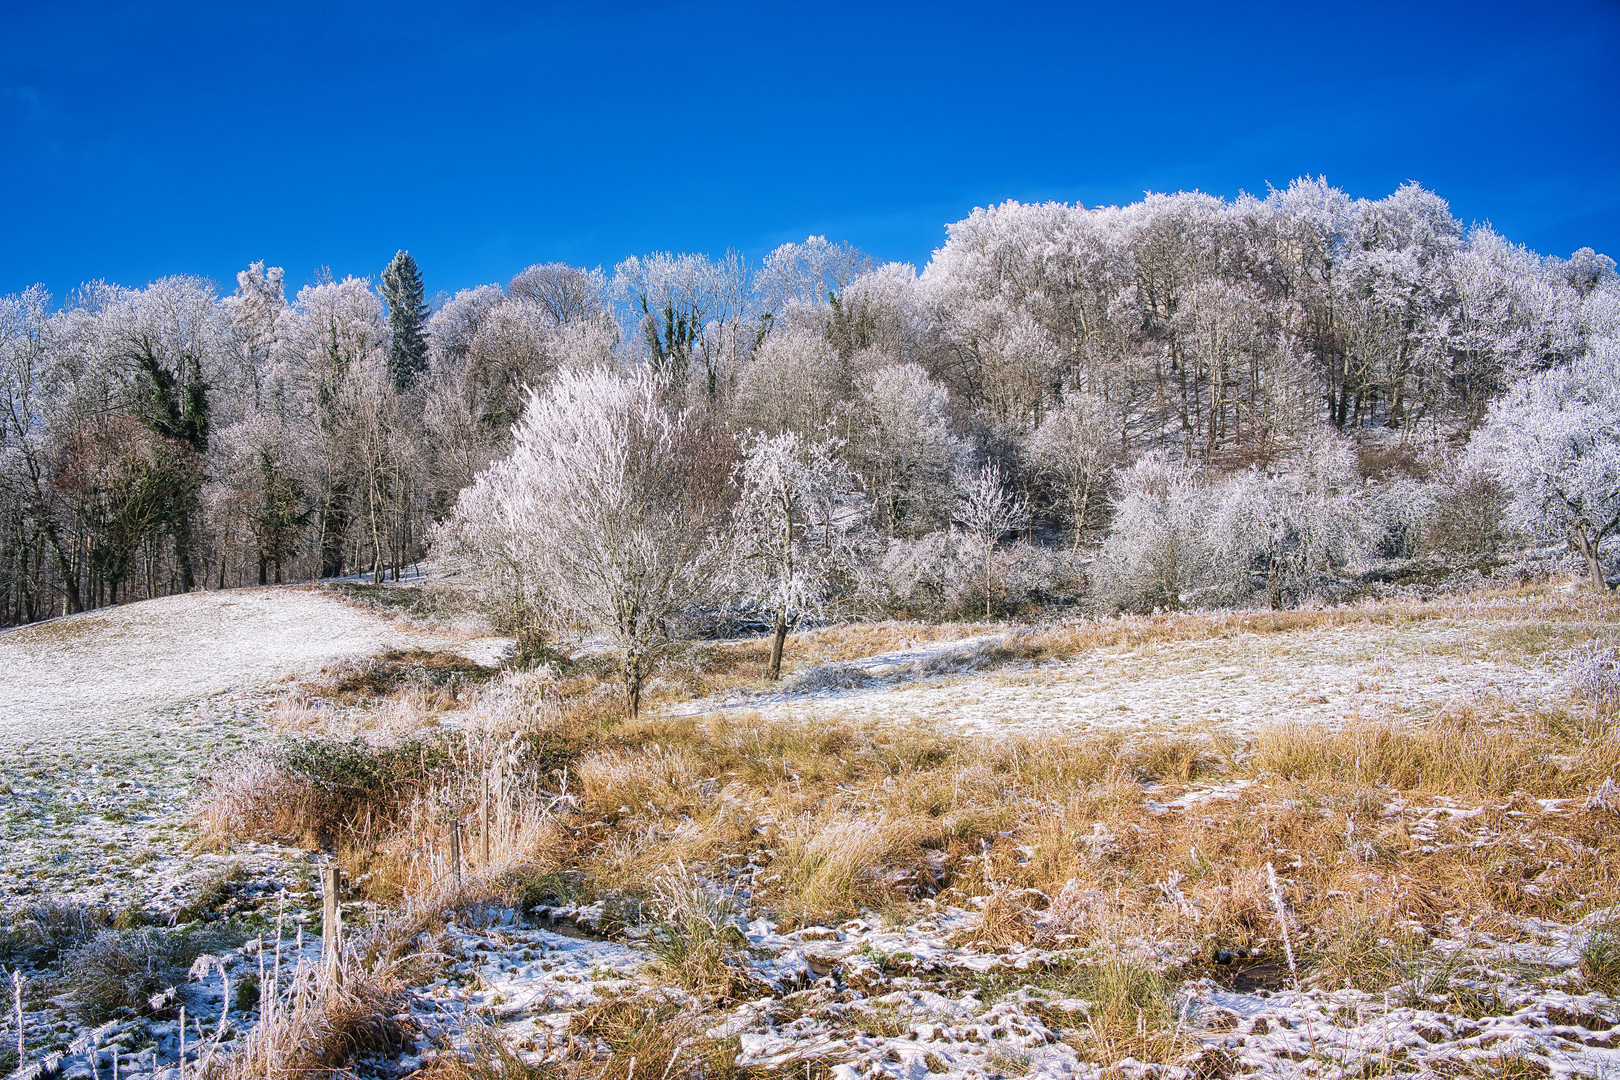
x: 796, y: 504
x: 611, y: 500
x: 1554, y: 444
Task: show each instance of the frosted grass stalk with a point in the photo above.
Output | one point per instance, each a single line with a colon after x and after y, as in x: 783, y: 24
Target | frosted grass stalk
x: 1282, y: 921
x: 17, y: 981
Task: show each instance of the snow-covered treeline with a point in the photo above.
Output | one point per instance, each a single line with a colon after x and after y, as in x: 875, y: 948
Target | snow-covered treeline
x: 1203, y: 387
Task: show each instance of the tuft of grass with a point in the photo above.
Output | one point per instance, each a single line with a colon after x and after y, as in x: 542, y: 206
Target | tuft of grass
x: 1446, y: 757
x: 831, y: 865
x: 321, y: 1025
x: 379, y: 676
x: 645, y: 1037
x: 37, y: 935
x: 1130, y: 1011
x: 311, y: 792
x: 114, y: 973
x: 1600, y: 958
x: 695, y: 937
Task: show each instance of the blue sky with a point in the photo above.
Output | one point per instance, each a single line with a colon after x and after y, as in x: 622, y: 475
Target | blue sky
x: 139, y: 140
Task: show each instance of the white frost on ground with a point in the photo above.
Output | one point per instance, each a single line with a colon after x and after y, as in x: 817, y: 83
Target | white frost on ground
x: 107, y: 672
x: 107, y: 719
x: 1237, y: 684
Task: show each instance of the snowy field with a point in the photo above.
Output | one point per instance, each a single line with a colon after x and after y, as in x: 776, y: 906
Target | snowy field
x: 101, y: 678
x: 1233, y: 684
x: 108, y: 720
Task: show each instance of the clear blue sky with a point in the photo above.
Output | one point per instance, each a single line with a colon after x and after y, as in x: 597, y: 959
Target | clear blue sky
x: 142, y: 140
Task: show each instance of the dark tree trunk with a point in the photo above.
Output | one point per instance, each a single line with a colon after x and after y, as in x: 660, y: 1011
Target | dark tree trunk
x: 778, y: 639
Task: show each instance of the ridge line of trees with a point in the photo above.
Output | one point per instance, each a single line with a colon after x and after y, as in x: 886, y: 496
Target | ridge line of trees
x: 1177, y: 401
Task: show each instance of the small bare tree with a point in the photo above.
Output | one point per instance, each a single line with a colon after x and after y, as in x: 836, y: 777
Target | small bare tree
x: 1075, y: 451
x: 987, y: 510
x: 785, y: 484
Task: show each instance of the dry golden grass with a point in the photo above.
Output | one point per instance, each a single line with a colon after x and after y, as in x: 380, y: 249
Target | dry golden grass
x: 1382, y: 834
x: 319, y: 1026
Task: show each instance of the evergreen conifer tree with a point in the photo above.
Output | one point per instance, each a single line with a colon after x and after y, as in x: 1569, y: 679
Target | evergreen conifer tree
x: 407, y: 320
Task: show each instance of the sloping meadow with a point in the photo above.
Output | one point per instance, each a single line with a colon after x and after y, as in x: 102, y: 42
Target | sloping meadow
x: 537, y: 887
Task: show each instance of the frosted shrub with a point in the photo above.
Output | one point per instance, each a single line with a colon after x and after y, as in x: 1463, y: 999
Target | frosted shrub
x: 987, y: 509
x: 1285, y: 535
x: 925, y: 574
x: 1399, y: 516
x: 1594, y: 675
x: 1156, y: 549
x: 940, y: 575
x: 1465, y: 515
x: 1032, y: 576
x: 1075, y: 453
x: 1281, y: 536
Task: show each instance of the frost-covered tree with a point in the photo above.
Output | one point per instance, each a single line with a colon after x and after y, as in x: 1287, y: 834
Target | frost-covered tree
x: 791, y: 383
x: 253, y: 309
x: 169, y: 348
x: 786, y: 484
x: 688, y: 314
x: 812, y: 273
x: 614, y: 500
x: 403, y: 291
x: 257, y: 491
x: 1554, y: 444
x: 333, y: 335
x: 566, y: 294
x: 903, y: 447
x: 987, y: 509
x: 1075, y: 450
x: 30, y: 385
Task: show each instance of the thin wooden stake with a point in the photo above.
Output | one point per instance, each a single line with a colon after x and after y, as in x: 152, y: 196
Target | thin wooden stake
x: 17, y: 981
x: 483, y: 821
x: 455, y: 853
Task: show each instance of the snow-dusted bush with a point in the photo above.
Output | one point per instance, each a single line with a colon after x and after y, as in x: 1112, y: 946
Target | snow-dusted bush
x: 903, y: 446
x: 1593, y: 674
x: 1465, y: 516
x: 923, y: 575
x: 1284, y: 534
x: 1399, y: 513
x: 987, y: 509
x: 941, y: 575
x: 1075, y: 452
x: 1156, y: 550
x: 479, y: 550
x: 1031, y: 576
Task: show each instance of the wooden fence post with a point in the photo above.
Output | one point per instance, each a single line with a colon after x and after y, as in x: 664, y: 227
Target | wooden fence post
x: 331, y: 917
